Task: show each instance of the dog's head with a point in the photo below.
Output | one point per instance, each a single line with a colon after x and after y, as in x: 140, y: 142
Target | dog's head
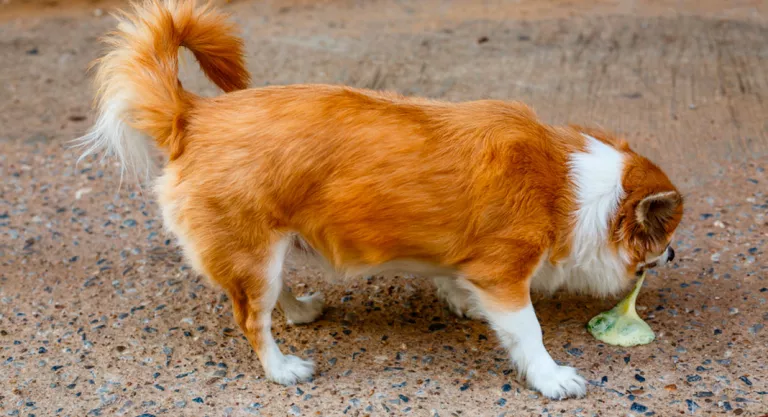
x: 649, y: 210
x: 648, y: 215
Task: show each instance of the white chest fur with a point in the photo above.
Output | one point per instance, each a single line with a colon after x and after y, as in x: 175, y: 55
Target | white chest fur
x: 601, y: 274
x: 592, y: 266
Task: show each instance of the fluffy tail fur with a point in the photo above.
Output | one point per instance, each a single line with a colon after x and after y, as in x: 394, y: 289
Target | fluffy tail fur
x: 139, y: 96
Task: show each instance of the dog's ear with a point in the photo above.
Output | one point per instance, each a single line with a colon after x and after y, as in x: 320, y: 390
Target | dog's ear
x: 656, y: 210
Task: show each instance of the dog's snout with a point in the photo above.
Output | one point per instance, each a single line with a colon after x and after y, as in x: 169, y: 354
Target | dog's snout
x: 670, y: 254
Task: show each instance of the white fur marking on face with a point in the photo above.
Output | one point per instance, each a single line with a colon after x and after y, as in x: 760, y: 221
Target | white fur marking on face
x: 520, y: 333
x: 659, y: 260
x: 592, y: 267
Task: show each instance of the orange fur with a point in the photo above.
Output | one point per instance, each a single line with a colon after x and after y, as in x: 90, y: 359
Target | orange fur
x: 364, y: 177
x: 367, y: 178
x: 147, y: 58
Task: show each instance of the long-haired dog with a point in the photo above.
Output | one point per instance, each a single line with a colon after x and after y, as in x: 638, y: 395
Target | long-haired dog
x: 480, y: 196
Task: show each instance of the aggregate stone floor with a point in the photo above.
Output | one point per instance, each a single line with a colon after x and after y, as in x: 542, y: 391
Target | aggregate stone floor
x: 100, y: 316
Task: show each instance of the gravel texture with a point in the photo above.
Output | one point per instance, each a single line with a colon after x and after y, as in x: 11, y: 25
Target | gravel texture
x: 100, y: 316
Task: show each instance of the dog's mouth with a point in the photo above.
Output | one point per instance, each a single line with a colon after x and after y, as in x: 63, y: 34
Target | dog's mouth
x: 641, y: 270
x: 666, y: 256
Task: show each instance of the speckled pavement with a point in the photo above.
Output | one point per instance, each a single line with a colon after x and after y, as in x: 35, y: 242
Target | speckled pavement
x: 100, y: 316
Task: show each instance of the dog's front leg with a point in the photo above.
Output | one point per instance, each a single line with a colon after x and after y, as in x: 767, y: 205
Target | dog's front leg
x: 520, y: 333
x: 503, y: 293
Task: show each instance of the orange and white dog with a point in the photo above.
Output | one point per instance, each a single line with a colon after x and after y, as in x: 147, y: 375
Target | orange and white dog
x: 480, y: 196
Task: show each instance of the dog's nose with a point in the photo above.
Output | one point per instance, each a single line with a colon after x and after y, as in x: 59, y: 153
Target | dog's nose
x: 671, y: 255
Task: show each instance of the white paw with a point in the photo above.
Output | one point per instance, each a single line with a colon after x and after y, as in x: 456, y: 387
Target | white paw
x: 455, y: 307
x: 307, y: 310
x: 472, y: 314
x: 557, y: 383
x: 290, y: 369
x: 458, y: 303
x: 465, y: 312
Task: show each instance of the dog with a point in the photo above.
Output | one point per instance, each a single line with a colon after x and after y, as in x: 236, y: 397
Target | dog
x: 480, y: 196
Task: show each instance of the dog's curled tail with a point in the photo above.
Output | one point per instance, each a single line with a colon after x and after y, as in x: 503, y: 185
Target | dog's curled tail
x: 139, y: 97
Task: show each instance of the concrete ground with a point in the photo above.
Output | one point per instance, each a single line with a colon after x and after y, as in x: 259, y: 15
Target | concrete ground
x: 99, y: 315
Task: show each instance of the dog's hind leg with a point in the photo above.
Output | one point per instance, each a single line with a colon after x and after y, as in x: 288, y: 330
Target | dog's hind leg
x: 457, y: 298
x: 252, y: 276
x: 300, y: 310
